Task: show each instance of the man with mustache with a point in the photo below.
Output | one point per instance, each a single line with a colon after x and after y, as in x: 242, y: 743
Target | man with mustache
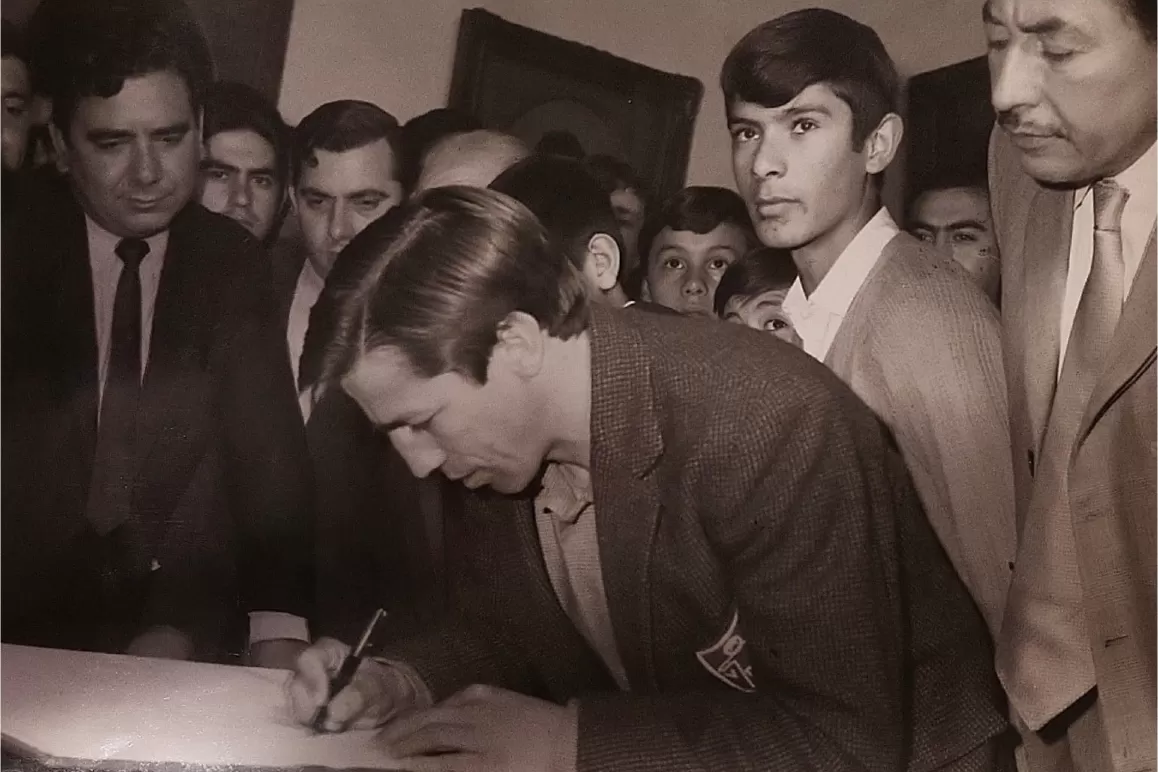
x: 155, y: 478
x: 1072, y: 179
x: 814, y: 126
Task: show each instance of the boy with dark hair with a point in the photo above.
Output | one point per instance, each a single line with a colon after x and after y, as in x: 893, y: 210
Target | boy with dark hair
x: 688, y: 244
x: 753, y: 289
x: 246, y: 164
x: 574, y: 210
x: 811, y: 99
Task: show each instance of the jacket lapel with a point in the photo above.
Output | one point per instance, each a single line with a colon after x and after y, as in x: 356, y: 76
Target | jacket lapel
x: 1046, y: 247
x: 175, y: 390
x: 626, y: 445
x: 1133, y: 344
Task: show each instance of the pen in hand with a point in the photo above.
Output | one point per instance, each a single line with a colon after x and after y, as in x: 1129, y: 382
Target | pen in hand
x: 346, y: 672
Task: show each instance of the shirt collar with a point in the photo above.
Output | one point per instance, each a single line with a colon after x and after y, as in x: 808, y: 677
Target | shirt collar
x: 1139, y: 179
x: 844, y: 280
x: 565, y: 492
x: 103, y: 245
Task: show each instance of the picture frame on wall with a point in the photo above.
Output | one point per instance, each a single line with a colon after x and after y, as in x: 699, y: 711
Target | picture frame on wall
x: 528, y: 83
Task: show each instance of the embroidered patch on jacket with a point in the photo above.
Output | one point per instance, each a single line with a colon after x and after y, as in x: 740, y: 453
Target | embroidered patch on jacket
x: 727, y: 659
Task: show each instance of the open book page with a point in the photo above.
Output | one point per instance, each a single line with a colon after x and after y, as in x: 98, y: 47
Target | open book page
x: 107, y: 708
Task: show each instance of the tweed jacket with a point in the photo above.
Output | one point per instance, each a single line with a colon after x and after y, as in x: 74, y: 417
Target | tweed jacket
x: 1110, y: 477
x: 921, y: 345
x: 221, y: 508
x: 747, y: 502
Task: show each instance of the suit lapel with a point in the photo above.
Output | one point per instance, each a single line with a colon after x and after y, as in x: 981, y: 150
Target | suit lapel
x: 626, y: 445
x: 1046, y: 247
x: 1133, y: 342
x: 175, y: 390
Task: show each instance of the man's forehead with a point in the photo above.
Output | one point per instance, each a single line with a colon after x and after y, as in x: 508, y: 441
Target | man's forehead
x: 386, y: 376
x: 817, y: 96
x: 152, y: 100
x: 243, y: 148
x: 1043, y: 15
x: 371, y: 166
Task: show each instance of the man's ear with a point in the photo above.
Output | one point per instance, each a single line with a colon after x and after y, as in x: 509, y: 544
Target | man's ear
x: 521, y: 344
x: 59, y: 146
x: 603, y: 254
x: 881, y: 146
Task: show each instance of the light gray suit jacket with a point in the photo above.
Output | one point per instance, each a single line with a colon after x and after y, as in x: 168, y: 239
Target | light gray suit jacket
x: 1111, y: 467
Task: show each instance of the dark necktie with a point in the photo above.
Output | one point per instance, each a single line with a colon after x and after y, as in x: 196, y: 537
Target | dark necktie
x: 110, y: 492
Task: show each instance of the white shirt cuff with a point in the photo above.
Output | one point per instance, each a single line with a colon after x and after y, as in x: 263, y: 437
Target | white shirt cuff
x: 271, y: 625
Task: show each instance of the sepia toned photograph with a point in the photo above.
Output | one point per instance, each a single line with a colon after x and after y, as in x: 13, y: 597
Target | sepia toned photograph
x: 534, y: 386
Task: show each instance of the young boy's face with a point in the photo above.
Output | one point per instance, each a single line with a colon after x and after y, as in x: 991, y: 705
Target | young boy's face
x: 797, y: 169
x: 765, y: 312
x: 684, y: 267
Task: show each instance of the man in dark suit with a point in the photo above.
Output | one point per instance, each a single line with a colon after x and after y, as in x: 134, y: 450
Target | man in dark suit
x: 376, y: 543
x: 155, y: 482
x: 699, y: 552
x: 1072, y: 180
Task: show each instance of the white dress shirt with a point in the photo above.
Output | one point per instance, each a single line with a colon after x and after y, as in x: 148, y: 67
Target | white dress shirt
x: 106, y: 268
x: 1138, y: 219
x: 817, y: 317
x: 306, y: 293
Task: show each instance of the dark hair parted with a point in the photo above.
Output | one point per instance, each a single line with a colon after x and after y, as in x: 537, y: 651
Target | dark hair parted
x: 566, y: 199
x: 436, y: 277
x: 699, y: 209
x: 761, y: 270
x: 237, y: 107
x: 85, y: 49
x: 777, y: 60
x: 345, y: 124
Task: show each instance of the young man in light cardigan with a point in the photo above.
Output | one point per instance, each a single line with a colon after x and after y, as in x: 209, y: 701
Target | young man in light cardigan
x: 811, y: 109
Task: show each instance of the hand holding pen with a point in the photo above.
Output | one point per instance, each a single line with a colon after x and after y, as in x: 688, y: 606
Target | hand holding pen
x: 334, y: 688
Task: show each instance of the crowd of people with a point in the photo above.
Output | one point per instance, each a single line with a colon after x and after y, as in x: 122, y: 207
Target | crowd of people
x: 261, y: 380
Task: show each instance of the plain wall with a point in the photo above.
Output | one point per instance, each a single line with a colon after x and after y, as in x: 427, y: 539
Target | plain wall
x: 399, y: 53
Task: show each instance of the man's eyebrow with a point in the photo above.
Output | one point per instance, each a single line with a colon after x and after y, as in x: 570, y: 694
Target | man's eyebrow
x: 974, y: 224
x: 367, y: 192
x: 766, y: 303
x: 308, y: 191
x: 213, y: 163
x: 801, y: 109
x: 175, y: 128
x: 105, y: 135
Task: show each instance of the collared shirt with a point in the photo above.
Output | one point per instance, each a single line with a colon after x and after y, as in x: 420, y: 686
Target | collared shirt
x: 306, y: 293
x: 817, y: 317
x: 565, y: 519
x: 1138, y: 218
x: 106, y: 269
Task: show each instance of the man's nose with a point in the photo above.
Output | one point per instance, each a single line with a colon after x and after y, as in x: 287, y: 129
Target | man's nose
x: 239, y: 194
x: 146, y: 164
x: 420, y: 453
x: 341, y: 224
x: 769, y: 160
x: 1016, y: 79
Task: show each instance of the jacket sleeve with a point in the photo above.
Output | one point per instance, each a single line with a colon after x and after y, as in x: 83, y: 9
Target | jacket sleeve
x: 950, y: 416
x: 268, y: 473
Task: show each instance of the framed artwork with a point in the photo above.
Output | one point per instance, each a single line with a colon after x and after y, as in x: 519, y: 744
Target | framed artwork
x: 949, y: 121
x: 529, y: 83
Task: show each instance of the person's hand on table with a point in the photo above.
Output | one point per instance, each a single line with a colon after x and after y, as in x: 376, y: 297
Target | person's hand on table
x: 279, y: 653
x: 377, y: 691
x: 162, y: 642
x: 485, y: 728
